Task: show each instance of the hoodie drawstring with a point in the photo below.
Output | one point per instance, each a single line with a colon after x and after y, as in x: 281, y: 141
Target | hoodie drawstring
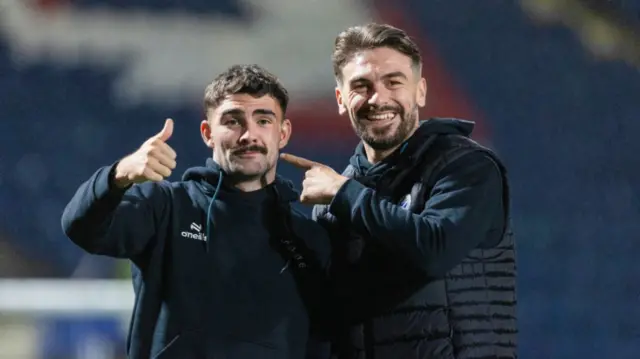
x: 209, y: 222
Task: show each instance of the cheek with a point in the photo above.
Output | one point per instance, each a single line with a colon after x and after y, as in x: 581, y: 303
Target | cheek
x: 405, y: 99
x: 225, y: 141
x: 355, y: 101
x: 274, y: 140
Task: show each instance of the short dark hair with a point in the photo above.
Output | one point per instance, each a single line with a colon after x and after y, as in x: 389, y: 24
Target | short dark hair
x: 371, y: 36
x: 252, y: 80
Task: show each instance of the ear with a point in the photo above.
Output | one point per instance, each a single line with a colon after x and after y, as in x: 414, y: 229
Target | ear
x: 205, y: 132
x: 421, y: 94
x: 285, y: 133
x: 342, y: 108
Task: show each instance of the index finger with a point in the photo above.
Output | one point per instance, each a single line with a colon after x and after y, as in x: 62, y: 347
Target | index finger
x: 300, y: 162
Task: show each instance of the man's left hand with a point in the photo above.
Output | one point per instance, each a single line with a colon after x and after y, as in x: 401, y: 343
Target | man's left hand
x: 321, y: 182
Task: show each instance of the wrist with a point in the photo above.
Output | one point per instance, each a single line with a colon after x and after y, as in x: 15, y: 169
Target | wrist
x: 339, y: 183
x: 118, y: 178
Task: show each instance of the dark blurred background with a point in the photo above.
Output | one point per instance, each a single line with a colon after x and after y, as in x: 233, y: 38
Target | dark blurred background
x: 553, y: 85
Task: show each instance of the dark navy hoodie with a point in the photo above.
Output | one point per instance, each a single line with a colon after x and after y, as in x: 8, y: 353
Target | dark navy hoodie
x: 210, y: 277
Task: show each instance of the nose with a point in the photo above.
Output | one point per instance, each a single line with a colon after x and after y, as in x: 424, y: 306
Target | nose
x: 248, y: 136
x: 380, y: 96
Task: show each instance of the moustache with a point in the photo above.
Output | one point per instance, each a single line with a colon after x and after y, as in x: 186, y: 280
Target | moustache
x: 258, y: 149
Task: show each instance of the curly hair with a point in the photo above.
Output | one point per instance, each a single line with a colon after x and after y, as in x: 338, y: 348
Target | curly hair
x: 245, y: 79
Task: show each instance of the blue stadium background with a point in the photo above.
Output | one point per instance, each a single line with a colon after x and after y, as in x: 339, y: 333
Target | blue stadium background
x: 565, y: 124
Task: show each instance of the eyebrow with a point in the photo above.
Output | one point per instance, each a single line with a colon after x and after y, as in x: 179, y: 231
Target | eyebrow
x: 395, y: 74
x: 239, y: 112
x: 264, y: 111
x: 386, y: 76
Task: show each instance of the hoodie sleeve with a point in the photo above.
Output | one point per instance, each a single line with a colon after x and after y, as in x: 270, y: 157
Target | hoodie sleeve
x: 103, y: 219
x: 320, y: 296
x: 464, y: 207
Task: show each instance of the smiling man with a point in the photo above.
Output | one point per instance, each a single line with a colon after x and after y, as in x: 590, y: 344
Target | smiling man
x: 222, y: 265
x: 424, y: 260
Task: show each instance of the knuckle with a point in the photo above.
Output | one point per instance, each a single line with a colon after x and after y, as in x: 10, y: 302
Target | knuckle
x: 141, y: 170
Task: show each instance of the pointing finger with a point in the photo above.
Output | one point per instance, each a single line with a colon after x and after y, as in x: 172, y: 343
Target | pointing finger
x: 300, y: 162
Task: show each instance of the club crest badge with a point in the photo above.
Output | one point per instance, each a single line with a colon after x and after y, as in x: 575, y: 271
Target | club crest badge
x: 406, y: 202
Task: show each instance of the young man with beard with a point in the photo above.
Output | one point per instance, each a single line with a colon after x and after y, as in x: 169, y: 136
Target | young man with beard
x: 222, y: 266
x: 424, y: 263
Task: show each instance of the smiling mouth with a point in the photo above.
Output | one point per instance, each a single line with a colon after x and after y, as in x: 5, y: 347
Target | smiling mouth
x: 378, y: 117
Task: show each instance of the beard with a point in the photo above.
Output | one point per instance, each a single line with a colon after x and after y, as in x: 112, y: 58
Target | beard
x: 387, y: 137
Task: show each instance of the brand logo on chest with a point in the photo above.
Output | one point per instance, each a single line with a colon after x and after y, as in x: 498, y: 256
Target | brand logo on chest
x: 195, y: 232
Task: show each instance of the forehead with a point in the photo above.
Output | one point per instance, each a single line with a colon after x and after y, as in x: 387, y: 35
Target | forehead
x: 248, y: 104
x: 377, y: 62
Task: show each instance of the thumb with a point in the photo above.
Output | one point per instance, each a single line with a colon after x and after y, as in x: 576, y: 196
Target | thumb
x: 166, y: 132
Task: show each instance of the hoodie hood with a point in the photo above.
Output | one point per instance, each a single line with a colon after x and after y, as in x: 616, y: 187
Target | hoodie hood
x: 209, y: 176
x: 411, y: 150
x: 414, y: 145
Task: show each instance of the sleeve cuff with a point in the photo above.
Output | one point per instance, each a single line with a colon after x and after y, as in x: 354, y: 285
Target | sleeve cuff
x: 347, y: 200
x: 103, y: 185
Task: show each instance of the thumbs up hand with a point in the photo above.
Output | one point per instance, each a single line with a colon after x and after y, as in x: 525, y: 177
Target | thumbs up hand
x: 153, y: 161
x: 321, y: 182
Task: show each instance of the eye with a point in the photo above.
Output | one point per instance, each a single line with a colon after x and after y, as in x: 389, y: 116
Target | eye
x: 264, y: 121
x: 231, y: 122
x: 359, y: 86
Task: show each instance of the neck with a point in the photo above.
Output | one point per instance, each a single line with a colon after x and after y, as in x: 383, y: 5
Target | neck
x: 251, y: 184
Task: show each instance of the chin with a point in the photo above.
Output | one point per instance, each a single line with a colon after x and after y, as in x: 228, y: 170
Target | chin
x: 249, y: 171
x: 383, y: 143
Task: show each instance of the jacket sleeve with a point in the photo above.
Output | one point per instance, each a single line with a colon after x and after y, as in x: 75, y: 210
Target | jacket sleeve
x: 321, y: 215
x: 318, y: 241
x: 464, y: 206
x: 103, y: 219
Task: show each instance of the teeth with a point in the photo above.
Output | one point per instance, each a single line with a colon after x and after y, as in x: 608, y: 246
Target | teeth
x: 381, y: 116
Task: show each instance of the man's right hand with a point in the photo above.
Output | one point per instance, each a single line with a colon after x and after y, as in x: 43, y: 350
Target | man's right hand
x: 153, y: 161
